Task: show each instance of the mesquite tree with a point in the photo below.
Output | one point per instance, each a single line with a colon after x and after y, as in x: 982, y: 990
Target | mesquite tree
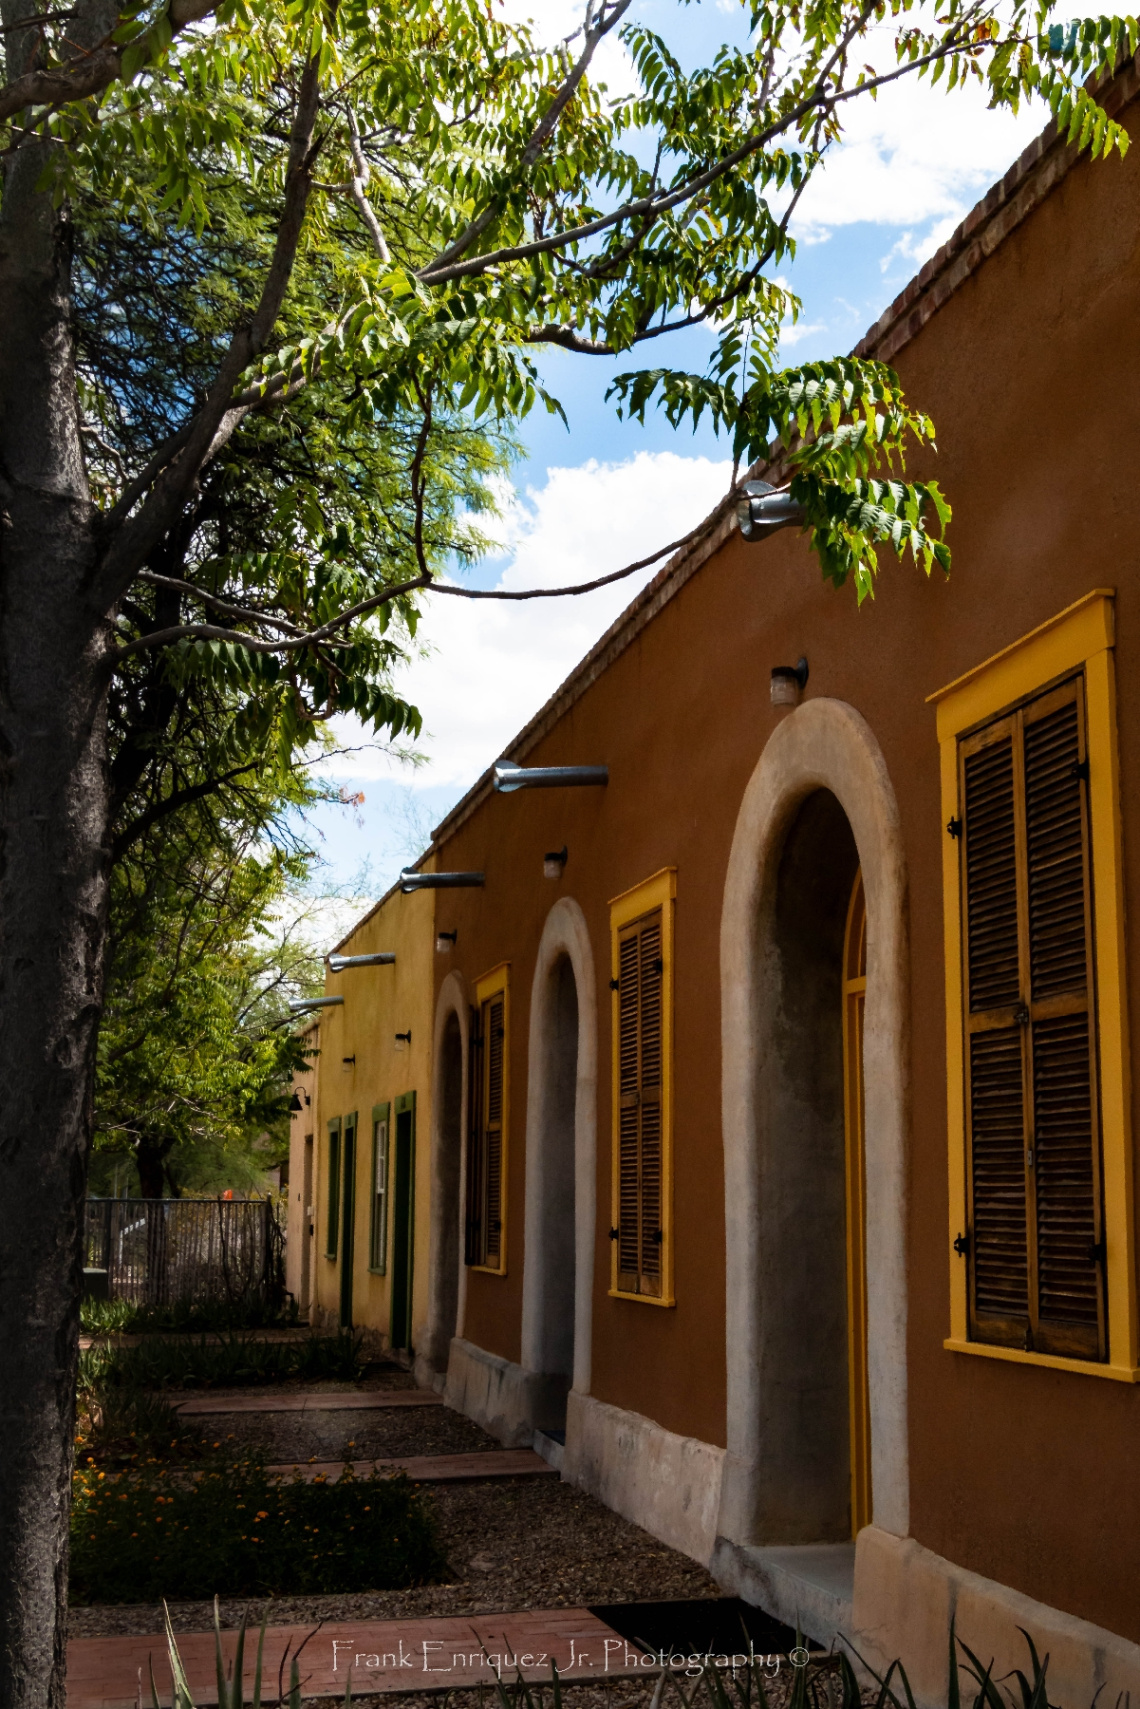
x: 502, y: 200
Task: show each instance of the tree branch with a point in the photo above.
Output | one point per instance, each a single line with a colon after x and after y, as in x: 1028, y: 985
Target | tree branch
x: 136, y: 538
x: 441, y: 272
x: 356, y: 189
x: 86, y: 73
x: 542, y: 131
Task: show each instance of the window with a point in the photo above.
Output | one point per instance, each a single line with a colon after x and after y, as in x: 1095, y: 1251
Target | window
x: 333, y: 1188
x: 641, y: 926
x: 1039, y: 1144
x: 486, y: 1246
x: 378, y: 1231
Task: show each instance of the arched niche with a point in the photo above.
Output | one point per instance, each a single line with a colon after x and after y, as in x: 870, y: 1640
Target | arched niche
x: 561, y: 1152
x: 447, y: 1276
x: 824, y: 752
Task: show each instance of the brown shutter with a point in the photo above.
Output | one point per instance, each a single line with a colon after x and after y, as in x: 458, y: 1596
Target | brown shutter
x: 640, y: 1114
x: 494, y: 1033
x: 484, y: 1243
x: 476, y: 1171
x: 1036, y: 1275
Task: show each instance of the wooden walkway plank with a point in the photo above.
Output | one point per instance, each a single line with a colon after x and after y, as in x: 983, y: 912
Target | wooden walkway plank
x: 384, y: 1655
x: 434, y: 1468
x: 301, y: 1400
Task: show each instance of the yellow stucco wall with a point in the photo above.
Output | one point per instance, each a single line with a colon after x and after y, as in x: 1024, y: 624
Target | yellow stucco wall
x: 379, y: 1002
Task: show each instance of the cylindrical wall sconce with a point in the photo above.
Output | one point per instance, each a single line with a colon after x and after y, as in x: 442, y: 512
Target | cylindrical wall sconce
x: 383, y: 958
x: 410, y: 881
x: 508, y: 776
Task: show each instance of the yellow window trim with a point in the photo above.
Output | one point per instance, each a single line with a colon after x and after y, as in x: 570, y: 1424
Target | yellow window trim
x: 659, y: 891
x: 496, y: 979
x: 1080, y: 637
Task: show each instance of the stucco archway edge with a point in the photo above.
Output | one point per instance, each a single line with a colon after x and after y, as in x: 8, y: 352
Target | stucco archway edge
x: 823, y: 744
x: 452, y: 1000
x: 564, y: 934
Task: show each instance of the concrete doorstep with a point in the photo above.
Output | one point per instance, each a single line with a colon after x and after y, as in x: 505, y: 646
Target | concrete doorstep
x: 431, y: 1654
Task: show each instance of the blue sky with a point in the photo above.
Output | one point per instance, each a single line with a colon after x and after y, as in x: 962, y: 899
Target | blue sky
x: 604, y: 492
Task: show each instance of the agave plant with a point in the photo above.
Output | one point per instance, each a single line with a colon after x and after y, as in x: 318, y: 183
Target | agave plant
x: 231, y: 1692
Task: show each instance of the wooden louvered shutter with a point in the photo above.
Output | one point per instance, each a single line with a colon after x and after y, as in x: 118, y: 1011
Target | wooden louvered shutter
x: 640, y: 1112
x: 494, y: 1033
x: 485, y: 1136
x: 476, y: 1168
x: 1033, y: 1148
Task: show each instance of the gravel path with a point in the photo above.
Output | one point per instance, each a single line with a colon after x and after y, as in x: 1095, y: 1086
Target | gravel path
x: 515, y: 1545
x: 510, y: 1545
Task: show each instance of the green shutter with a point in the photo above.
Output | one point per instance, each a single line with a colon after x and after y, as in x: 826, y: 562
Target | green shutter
x: 333, y: 1185
x: 378, y: 1237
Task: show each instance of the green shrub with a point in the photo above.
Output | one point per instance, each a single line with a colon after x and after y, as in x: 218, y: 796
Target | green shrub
x: 233, y: 1530
x: 185, y: 1317
x: 236, y: 1361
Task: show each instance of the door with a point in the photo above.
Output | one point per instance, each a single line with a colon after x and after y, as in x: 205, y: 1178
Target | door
x: 854, y: 1000
x: 348, y: 1219
x: 403, y: 1221
x: 305, y: 1301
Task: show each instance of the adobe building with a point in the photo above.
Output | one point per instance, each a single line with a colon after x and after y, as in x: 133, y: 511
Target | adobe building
x: 781, y: 1132
x: 359, y: 1206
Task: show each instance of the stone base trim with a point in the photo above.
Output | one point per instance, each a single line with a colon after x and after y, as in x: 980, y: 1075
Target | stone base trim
x: 667, y: 1484
x: 508, y: 1401
x: 905, y: 1596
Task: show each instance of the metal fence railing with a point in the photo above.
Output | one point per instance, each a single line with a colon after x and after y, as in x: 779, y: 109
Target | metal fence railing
x: 169, y: 1251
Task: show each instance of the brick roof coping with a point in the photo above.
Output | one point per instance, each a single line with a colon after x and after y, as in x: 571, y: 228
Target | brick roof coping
x: 1036, y: 172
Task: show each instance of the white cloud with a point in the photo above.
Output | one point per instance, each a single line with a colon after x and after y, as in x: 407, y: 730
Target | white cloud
x: 492, y: 665
x: 915, y: 155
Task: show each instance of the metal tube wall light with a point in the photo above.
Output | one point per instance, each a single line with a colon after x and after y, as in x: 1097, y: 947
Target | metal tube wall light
x: 508, y: 776
x: 298, y: 1004
x: 445, y: 941
x: 410, y: 881
x: 383, y: 958
x: 762, y: 510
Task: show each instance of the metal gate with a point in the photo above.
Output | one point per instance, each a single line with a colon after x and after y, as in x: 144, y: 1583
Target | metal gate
x: 170, y: 1251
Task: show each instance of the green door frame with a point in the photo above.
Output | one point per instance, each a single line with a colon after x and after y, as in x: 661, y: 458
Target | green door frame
x: 403, y: 1221
x: 348, y: 1218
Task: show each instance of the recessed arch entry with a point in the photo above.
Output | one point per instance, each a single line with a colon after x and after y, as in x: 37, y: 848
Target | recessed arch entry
x: 561, y: 1150
x: 818, y: 812
x: 447, y: 1277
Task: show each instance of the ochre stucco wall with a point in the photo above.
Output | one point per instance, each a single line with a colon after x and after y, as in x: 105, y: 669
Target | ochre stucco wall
x: 1026, y: 1475
x: 379, y: 1002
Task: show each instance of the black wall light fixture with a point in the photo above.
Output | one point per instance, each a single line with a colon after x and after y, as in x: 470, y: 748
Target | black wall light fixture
x: 403, y: 1039
x: 762, y: 510
x: 410, y: 881
x: 295, y: 1103
x: 348, y: 1061
x: 788, y: 683
x: 445, y: 941
x: 554, y: 864
x: 382, y: 958
x: 297, y: 1005
x: 508, y: 776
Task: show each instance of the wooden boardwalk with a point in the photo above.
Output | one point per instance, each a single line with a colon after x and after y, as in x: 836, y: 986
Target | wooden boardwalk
x: 434, y: 1468
x: 383, y: 1655
x: 300, y: 1400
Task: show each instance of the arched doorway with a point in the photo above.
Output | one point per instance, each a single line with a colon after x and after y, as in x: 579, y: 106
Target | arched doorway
x: 854, y: 1122
x: 818, y: 808
x: 561, y: 1144
x: 449, y: 1117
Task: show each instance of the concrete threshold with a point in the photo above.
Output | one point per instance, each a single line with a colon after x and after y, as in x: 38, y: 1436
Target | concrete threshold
x: 809, y: 1586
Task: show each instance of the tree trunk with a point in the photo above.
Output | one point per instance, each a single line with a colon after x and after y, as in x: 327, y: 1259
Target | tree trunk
x: 53, y: 905
x: 150, y: 1161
